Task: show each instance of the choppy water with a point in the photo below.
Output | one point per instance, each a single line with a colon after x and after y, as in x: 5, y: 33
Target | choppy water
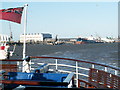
x: 107, y: 53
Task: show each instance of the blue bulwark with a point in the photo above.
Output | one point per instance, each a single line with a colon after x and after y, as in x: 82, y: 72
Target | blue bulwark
x: 54, y: 77
x: 41, y: 79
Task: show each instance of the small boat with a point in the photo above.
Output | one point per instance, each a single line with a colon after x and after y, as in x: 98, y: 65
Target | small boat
x: 86, y: 41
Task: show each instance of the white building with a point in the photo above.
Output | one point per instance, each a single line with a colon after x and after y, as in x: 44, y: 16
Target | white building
x: 35, y: 37
x: 4, y: 38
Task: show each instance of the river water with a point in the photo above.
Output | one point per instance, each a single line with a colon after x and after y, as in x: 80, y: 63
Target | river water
x: 107, y: 53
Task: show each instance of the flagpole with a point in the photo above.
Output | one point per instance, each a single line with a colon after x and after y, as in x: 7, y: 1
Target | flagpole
x: 25, y: 28
x: 26, y: 67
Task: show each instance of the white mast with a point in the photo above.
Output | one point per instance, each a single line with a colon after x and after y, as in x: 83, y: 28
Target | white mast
x: 26, y: 65
x: 25, y: 28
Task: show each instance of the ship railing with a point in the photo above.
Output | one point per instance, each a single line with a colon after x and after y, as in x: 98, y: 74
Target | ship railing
x: 80, y: 67
x: 11, y: 65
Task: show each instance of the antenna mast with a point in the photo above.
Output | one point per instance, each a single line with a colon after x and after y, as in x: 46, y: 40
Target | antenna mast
x: 10, y: 38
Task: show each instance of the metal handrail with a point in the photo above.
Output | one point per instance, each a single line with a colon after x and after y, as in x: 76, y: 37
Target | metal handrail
x: 12, y: 60
x: 77, y: 67
x: 79, y: 60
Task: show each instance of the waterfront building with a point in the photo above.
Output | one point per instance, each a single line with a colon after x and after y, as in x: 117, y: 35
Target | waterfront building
x: 36, y: 37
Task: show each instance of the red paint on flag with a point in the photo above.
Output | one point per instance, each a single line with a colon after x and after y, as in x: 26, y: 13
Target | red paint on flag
x: 12, y: 14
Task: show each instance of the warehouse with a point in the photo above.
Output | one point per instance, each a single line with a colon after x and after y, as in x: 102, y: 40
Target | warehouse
x: 36, y: 37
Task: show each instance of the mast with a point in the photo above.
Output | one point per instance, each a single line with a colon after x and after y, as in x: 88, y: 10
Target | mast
x: 10, y: 37
x: 26, y: 65
x: 25, y: 28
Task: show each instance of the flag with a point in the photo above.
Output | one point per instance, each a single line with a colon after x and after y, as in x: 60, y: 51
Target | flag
x: 12, y: 14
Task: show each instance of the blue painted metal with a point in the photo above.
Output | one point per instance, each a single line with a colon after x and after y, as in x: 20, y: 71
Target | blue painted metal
x: 45, y: 79
x: 42, y: 69
x: 54, y: 77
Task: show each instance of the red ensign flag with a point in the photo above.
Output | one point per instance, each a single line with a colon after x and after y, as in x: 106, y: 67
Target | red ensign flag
x: 12, y: 14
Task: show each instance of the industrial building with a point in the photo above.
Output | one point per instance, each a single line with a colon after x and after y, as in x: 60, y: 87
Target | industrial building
x: 36, y: 37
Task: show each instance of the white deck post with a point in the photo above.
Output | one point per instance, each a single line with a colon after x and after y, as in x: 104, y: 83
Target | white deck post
x: 116, y: 72
x: 56, y: 65
x: 93, y: 66
x: 76, y: 73
x: 105, y: 69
